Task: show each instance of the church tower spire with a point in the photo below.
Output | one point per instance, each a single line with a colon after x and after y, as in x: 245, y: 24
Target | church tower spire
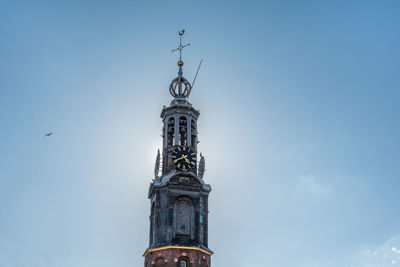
x: 178, y: 194
x: 180, y: 87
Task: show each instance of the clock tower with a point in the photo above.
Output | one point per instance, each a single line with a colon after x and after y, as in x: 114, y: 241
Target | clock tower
x: 178, y: 194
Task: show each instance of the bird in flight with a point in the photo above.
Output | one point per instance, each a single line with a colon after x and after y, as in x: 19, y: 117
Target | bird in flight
x: 48, y: 134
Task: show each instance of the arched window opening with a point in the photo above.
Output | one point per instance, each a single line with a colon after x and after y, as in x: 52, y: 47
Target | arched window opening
x: 183, y: 262
x: 183, y: 217
x: 152, y: 209
x: 192, y: 125
x: 171, y: 131
x: 182, y: 131
x: 193, y: 131
x: 204, y: 263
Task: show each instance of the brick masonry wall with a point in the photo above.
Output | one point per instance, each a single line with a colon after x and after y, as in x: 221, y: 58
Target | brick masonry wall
x: 169, y: 258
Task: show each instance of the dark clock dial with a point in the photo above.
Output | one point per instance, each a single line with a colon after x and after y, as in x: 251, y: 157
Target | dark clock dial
x: 184, y: 158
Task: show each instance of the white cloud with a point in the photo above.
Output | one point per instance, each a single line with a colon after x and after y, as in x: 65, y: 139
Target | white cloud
x: 314, y: 186
x: 385, y: 255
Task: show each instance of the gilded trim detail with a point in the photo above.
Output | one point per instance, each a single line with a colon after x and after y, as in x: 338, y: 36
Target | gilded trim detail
x: 178, y: 247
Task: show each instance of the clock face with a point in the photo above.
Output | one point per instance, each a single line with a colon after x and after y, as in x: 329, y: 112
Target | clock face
x: 184, y: 158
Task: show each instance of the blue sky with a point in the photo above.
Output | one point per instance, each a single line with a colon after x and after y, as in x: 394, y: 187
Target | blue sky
x: 299, y: 126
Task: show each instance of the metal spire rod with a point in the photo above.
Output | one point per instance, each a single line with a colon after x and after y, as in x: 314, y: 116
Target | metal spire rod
x: 180, y: 47
x: 197, y: 72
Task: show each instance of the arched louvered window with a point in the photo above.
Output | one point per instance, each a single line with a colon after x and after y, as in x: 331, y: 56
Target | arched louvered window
x: 193, y: 131
x: 182, y: 131
x: 192, y: 125
x: 171, y: 131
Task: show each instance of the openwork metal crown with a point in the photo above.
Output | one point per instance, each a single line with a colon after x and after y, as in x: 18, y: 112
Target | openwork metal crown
x: 180, y: 87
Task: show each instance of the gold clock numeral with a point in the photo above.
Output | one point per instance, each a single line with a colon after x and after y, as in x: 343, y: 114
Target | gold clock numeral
x: 194, y: 158
x: 183, y: 167
x: 193, y: 154
x: 173, y: 156
x: 179, y: 165
x: 179, y: 148
x: 193, y: 163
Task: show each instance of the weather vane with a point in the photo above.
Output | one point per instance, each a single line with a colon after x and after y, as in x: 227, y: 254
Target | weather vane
x: 180, y: 47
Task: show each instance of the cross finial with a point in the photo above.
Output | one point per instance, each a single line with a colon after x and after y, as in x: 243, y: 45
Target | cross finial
x: 180, y: 47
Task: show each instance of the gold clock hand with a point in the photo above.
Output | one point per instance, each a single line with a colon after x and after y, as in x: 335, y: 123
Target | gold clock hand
x: 183, y: 157
x: 179, y: 158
